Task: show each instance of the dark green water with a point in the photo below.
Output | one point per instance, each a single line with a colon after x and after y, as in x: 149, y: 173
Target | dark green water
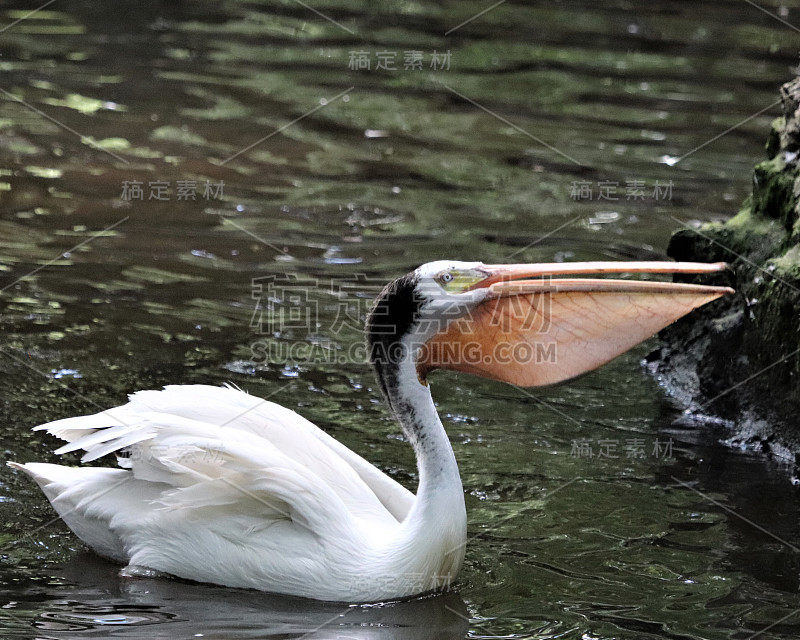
x: 345, y: 179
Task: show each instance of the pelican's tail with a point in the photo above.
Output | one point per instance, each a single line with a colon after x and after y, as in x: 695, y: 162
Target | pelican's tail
x: 82, y: 497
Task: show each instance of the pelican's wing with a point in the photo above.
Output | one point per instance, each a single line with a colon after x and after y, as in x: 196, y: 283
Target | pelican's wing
x: 178, y: 435
x: 236, y: 512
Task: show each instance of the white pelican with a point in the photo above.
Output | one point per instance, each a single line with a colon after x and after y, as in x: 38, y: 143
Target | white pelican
x: 214, y: 485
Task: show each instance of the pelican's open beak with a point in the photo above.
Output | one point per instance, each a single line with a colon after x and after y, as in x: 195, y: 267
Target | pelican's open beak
x: 537, y: 327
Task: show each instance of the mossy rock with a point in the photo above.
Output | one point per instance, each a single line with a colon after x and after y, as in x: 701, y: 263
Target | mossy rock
x: 740, y: 358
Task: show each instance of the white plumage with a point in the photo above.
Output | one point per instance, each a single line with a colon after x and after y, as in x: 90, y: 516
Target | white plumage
x: 219, y: 486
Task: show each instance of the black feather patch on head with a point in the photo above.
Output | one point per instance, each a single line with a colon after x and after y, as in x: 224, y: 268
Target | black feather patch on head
x: 393, y: 315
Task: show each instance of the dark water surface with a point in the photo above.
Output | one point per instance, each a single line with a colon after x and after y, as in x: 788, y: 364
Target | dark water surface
x: 262, y: 154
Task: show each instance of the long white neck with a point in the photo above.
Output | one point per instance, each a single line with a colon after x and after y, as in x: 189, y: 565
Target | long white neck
x: 434, y: 533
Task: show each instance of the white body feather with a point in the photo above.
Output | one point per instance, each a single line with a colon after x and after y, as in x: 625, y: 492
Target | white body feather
x: 218, y: 486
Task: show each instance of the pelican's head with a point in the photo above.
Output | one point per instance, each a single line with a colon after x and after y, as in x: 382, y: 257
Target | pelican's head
x: 528, y: 324
x: 447, y: 290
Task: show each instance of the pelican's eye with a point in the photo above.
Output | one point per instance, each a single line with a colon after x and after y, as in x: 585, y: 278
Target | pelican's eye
x: 447, y: 280
x: 455, y: 281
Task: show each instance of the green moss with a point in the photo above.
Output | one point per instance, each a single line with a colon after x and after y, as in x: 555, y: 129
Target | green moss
x: 744, y: 234
x: 773, y: 145
x: 749, y: 233
x: 773, y: 191
x: 787, y: 266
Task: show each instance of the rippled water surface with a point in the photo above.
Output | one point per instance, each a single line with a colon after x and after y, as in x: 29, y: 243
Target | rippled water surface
x: 165, y: 163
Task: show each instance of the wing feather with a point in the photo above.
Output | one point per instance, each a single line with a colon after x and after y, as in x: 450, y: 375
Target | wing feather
x: 218, y: 486
x: 185, y: 433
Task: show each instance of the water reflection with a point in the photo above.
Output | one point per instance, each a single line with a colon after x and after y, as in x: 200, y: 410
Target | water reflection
x: 100, y: 604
